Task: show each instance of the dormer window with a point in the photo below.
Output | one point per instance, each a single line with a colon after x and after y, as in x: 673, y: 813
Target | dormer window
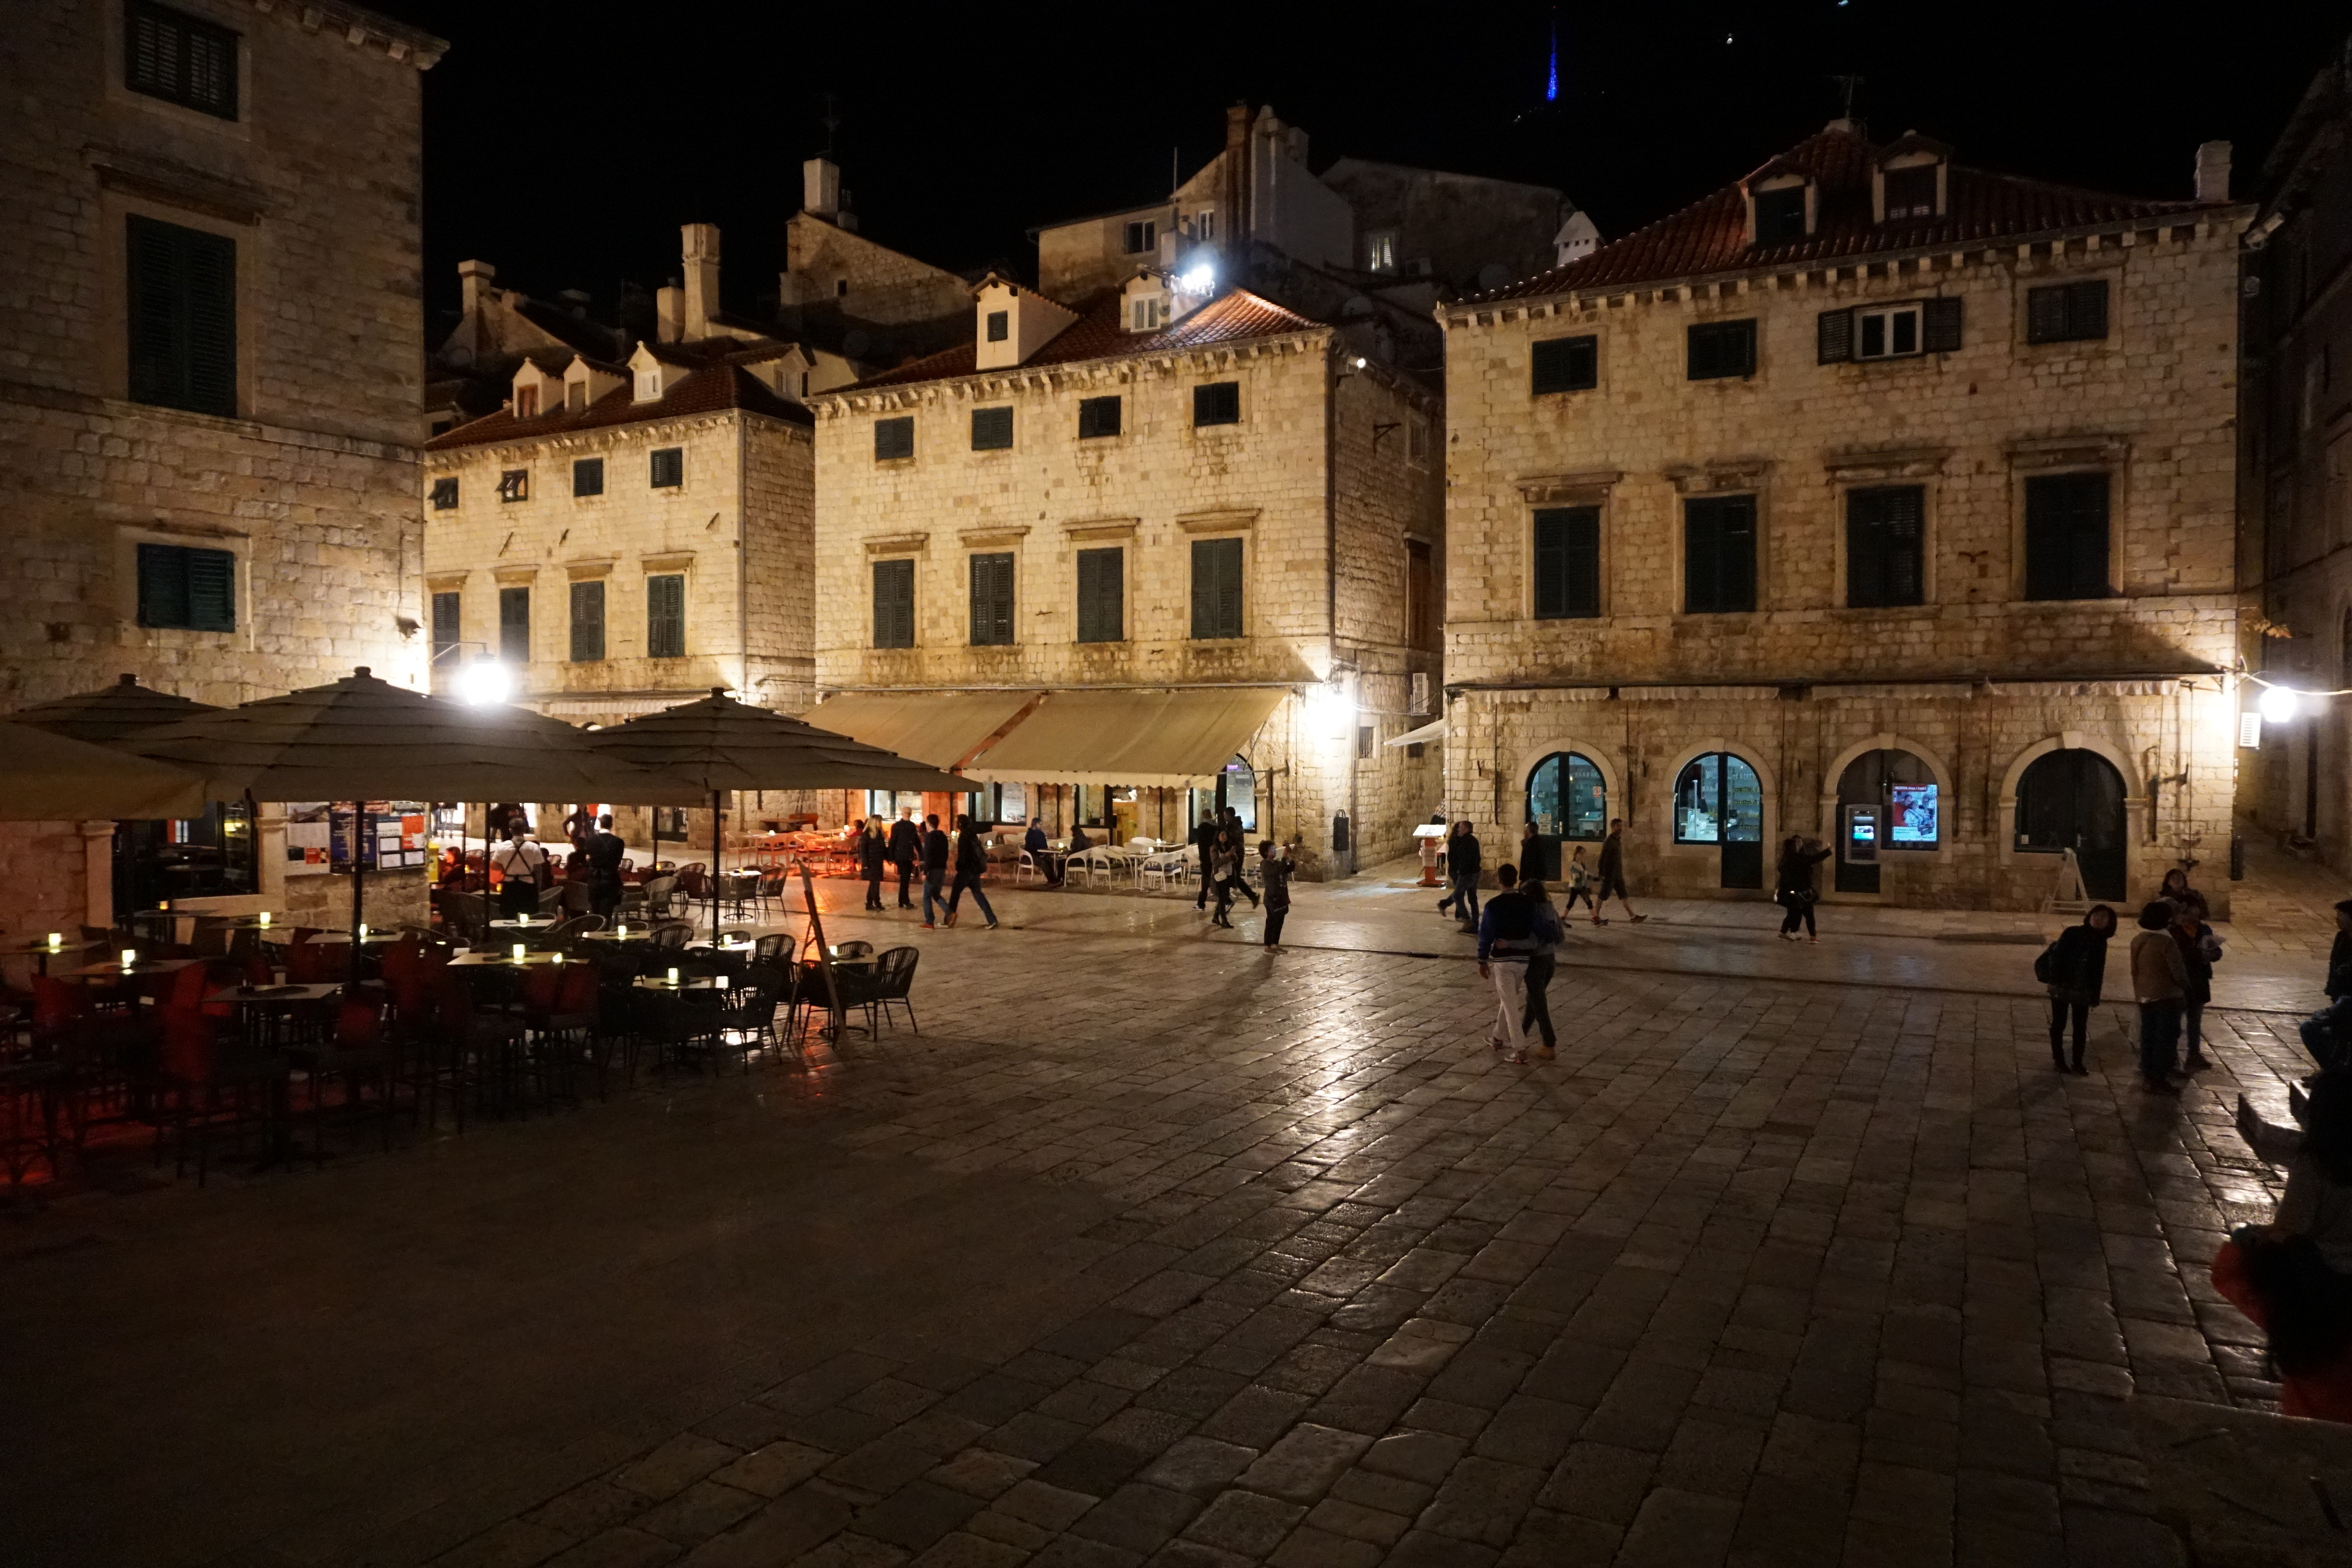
x: 526, y: 403
x: 1781, y: 214
x: 648, y: 386
x: 1912, y: 180
x: 1911, y: 192
x: 1147, y: 314
x: 1000, y: 325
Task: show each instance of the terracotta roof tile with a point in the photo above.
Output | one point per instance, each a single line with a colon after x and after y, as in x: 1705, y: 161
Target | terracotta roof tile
x: 1098, y: 333
x: 710, y: 390
x: 1709, y: 236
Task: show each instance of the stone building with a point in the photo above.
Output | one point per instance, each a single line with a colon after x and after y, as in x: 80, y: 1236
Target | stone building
x: 1122, y: 559
x: 1872, y: 494
x: 209, y: 379
x: 2297, y: 425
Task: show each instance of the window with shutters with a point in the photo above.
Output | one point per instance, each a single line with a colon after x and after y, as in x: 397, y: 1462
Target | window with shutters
x: 449, y: 619
x: 991, y: 600
x: 1097, y: 417
x: 187, y: 589
x: 1140, y: 237
x: 1000, y: 325
x: 991, y: 430
x: 1566, y: 364
x: 894, y: 604
x: 1884, y: 558
x: 1420, y: 596
x: 514, y: 625
x: 180, y: 59
x: 588, y: 476
x: 1886, y: 332
x: 1780, y: 215
x: 666, y: 615
x: 526, y: 403
x: 182, y: 292
x: 2066, y: 537
x: 587, y: 621
x: 514, y: 484
x: 1719, y: 555
x: 1102, y: 595
x: 2066, y: 312
x: 1217, y: 403
x: 1911, y: 192
x: 1216, y: 588
x: 1568, y: 563
x: 1901, y: 331
x: 444, y: 495
x: 669, y: 467
x: 1719, y: 349
x: 893, y: 438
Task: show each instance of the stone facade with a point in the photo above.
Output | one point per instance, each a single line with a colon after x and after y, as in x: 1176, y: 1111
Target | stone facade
x: 1328, y: 478
x: 2297, y: 421
x: 1975, y: 680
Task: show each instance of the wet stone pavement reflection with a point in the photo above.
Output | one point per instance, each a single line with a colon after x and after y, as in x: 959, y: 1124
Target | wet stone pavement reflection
x: 1168, y: 1252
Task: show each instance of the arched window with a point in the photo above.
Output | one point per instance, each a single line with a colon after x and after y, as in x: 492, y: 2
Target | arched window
x: 1903, y: 787
x: 2074, y: 801
x: 1567, y: 798
x: 1718, y: 800
x: 1241, y: 790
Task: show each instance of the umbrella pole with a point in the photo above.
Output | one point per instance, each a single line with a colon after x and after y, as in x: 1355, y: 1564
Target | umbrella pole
x: 714, y: 867
x: 359, y: 880
x: 485, y: 875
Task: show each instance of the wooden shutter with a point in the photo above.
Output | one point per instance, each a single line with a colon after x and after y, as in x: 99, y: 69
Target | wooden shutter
x: 894, y: 604
x: 2067, y: 536
x: 212, y: 590
x: 170, y: 55
x: 1883, y: 546
x: 1098, y: 416
x: 162, y: 586
x: 587, y: 621
x: 1719, y: 555
x: 1568, y: 562
x: 1216, y: 588
x: 2086, y: 308
x: 991, y: 601
x: 1565, y: 364
x: 666, y: 616
x: 1102, y: 595
x: 991, y: 429
x: 1940, y: 324
x: 1217, y: 403
x: 669, y: 467
x: 893, y: 438
x: 1833, y: 337
x: 181, y: 295
x: 588, y: 476
x: 514, y: 625
x: 447, y: 611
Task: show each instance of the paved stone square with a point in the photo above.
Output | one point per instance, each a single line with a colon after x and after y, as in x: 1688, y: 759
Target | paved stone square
x: 1153, y: 1249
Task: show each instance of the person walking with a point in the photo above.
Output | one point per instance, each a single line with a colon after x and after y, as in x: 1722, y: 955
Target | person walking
x: 1541, y: 962
x: 605, y: 851
x: 1222, y: 868
x: 2199, y: 951
x: 2159, y: 982
x: 2075, y: 968
x: 935, y: 870
x: 1462, y: 870
x: 873, y: 854
x: 970, y: 865
x: 1509, y: 930
x: 1580, y: 884
x: 1233, y: 844
x: 1793, y: 888
x: 526, y: 867
x: 1205, y: 846
x: 1612, y: 874
x: 906, y: 852
x: 1274, y: 870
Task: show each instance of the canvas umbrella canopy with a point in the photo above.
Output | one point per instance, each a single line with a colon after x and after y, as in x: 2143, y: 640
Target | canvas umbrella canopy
x: 55, y: 777
x: 361, y: 738
x: 720, y: 745
x: 110, y: 713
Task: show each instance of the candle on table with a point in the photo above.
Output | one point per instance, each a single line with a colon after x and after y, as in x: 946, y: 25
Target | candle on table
x: 57, y: 940
x: 673, y: 976
x: 130, y: 957
x: 265, y: 919
x: 518, y: 952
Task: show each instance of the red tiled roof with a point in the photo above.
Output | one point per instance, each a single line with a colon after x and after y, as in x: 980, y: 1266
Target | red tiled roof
x: 1098, y: 334
x: 1710, y: 236
x: 710, y: 390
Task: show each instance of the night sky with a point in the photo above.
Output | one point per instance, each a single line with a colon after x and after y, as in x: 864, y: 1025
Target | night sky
x: 566, y: 143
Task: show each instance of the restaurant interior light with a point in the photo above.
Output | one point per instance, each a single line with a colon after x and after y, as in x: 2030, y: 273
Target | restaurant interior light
x: 2279, y: 705
x: 485, y: 681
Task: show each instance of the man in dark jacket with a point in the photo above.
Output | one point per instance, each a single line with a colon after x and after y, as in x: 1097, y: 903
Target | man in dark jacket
x: 905, y: 850
x: 970, y: 865
x: 1461, y: 869
x: 2339, y: 956
x: 935, y: 870
x: 1612, y: 874
x: 1205, y: 846
x: 2075, y: 968
x: 1512, y: 930
x: 606, y: 853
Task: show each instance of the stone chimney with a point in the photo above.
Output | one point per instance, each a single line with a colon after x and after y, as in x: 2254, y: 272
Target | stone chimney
x: 701, y: 279
x: 477, y: 278
x: 821, y: 188
x: 1237, y: 124
x: 669, y: 314
x: 2212, y: 171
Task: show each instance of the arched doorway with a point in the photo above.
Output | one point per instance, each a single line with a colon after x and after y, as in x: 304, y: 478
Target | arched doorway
x: 1719, y: 800
x: 1902, y: 787
x: 1236, y: 787
x: 1567, y: 799
x: 2074, y: 799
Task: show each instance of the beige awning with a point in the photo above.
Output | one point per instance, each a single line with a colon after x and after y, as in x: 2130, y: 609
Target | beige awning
x: 941, y: 728
x: 1424, y: 736
x: 1164, y: 738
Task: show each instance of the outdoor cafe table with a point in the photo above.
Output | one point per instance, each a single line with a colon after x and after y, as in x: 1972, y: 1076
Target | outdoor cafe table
x: 481, y: 960
x: 642, y: 933
x: 143, y: 967
x: 272, y: 1002
x: 690, y: 983
x: 42, y: 952
x: 524, y: 922
x: 276, y: 922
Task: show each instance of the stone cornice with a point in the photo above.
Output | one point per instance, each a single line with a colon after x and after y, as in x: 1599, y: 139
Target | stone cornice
x: 362, y: 30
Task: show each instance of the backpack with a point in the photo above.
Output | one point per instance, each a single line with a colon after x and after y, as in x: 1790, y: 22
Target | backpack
x: 2045, y: 963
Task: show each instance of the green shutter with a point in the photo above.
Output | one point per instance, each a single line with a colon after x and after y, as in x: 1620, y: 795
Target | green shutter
x: 212, y: 590
x: 587, y: 621
x: 991, y: 601
x: 182, y: 318
x: 163, y: 587
x: 1940, y: 325
x: 1216, y: 588
x: 1833, y: 337
x: 1719, y: 555
x: 1102, y: 609
x: 666, y: 616
x: 894, y: 604
x: 514, y: 625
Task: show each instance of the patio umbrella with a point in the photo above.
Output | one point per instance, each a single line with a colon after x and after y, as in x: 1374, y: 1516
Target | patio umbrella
x: 361, y: 738
x: 55, y: 777
x: 110, y: 713
x: 720, y: 745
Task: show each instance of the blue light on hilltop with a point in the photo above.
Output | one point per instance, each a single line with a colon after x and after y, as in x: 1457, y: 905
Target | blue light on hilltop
x: 1551, y: 83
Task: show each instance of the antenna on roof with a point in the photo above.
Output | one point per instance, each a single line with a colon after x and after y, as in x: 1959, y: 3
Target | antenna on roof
x: 832, y: 122
x: 1849, y: 84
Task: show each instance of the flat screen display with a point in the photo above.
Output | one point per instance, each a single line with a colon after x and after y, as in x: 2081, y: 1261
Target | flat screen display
x: 1914, y: 807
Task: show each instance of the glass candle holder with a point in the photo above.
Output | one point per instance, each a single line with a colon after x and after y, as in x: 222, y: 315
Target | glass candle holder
x: 673, y: 976
x: 130, y: 957
x: 518, y: 952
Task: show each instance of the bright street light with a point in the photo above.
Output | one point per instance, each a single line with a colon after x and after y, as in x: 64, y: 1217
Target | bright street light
x: 2278, y: 705
x: 484, y: 682
x: 1199, y: 280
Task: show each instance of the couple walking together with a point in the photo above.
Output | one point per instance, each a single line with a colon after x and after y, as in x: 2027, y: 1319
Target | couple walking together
x: 1464, y: 864
x: 905, y: 846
